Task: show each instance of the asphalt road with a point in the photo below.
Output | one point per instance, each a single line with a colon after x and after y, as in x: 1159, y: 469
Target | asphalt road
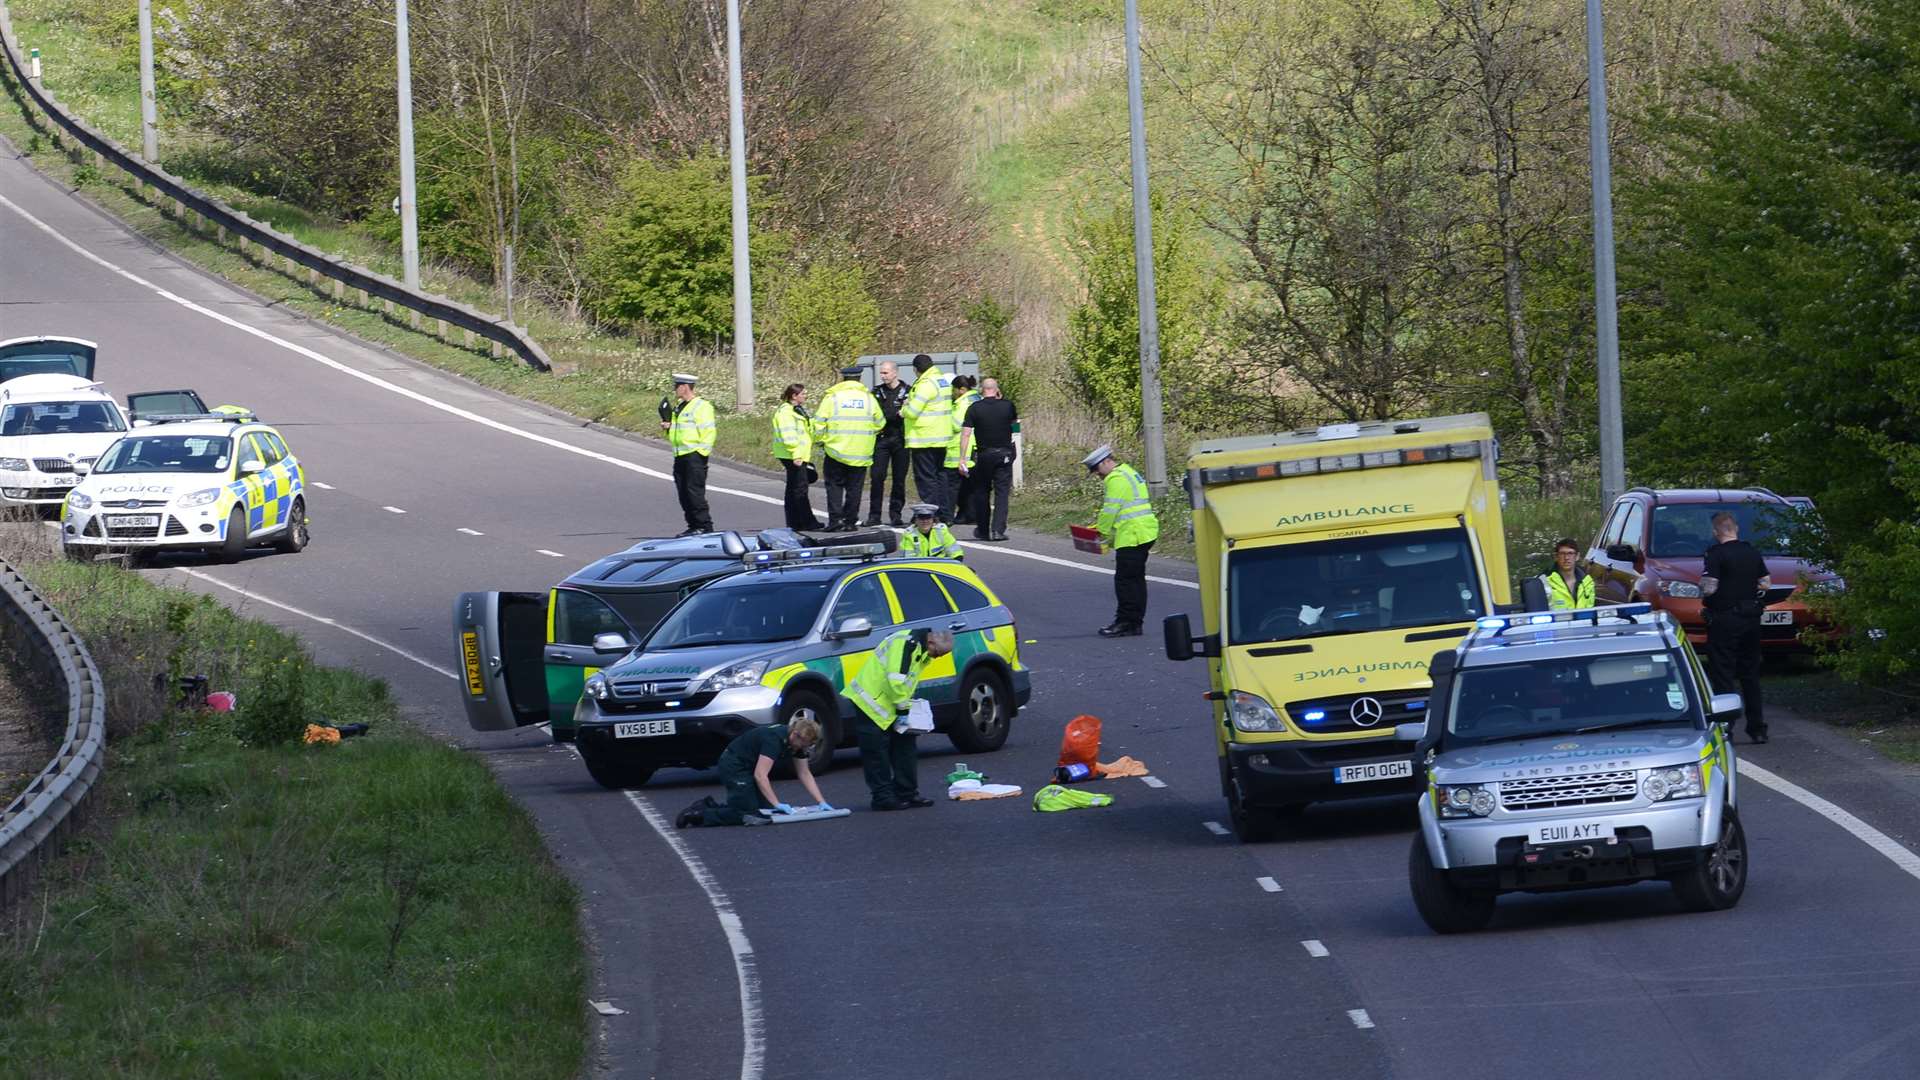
x: 973, y: 940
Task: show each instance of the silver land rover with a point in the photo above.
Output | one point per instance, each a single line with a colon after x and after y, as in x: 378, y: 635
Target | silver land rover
x: 1572, y: 750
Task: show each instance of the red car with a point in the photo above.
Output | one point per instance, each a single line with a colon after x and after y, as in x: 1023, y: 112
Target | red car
x: 1652, y: 549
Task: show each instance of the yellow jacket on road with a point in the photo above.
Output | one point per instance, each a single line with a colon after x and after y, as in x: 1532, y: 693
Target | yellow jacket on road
x: 692, y: 430
x: 849, y: 422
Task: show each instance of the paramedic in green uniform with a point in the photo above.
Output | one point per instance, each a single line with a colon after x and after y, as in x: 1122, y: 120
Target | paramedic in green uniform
x: 746, y: 768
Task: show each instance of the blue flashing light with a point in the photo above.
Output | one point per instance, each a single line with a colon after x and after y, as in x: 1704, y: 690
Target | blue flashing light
x: 1538, y: 619
x: 1412, y: 705
x: 1491, y: 624
x: 1627, y: 611
x: 1314, y: 716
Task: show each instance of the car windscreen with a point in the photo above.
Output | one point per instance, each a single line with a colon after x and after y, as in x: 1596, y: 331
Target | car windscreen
x: 1360, y: 583
x: 168, y: 453
x: 60, y: 418
x: 1561, y: 697
x: 762, y: 611
x: 1682, y: 529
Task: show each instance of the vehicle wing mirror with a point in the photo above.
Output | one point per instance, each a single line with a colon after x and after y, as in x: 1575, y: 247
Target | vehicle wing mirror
x: 251, y: 468
x: 854, y: 626
x: 610, y: 643
x: 82, y: 468
x: 1621, y: 552
x: 1178, y: 630
x: 1412, y: 733
x: 1725, y: 708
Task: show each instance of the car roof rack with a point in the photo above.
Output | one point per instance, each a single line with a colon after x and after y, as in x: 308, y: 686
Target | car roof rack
x: 188, y: 418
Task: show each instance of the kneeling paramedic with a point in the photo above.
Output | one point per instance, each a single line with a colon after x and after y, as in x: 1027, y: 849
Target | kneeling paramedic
x: 926, y: 538
x: 888, y: 752
x: 746, y: 768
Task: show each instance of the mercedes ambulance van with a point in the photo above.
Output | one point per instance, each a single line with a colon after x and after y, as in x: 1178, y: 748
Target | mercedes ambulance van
x: 1333, y: 564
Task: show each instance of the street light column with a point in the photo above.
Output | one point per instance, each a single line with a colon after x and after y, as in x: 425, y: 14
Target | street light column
x: 1151, y: 426
x: 1613, y: 468
x: 149, y: 116
x: 737, y: 155
x: 409, y: 223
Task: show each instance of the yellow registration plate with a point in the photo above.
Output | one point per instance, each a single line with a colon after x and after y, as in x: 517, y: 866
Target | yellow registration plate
x: 470, y: 651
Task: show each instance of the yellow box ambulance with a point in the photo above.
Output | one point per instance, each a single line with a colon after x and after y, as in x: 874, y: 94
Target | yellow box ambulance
x: 1333, y: 563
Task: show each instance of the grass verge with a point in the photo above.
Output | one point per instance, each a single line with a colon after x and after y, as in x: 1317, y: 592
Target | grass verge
x: 1886, y: 718
x: 245, y: 905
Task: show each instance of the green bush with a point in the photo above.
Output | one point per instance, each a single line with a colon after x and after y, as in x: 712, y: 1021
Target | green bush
x: 273, y: 706
x: 823, y: 315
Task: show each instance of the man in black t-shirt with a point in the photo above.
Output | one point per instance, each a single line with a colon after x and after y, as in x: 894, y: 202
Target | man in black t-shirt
x: 989, y: 428
x: 746, y: 768
x: 1733, y: 592
x: 890, y: 449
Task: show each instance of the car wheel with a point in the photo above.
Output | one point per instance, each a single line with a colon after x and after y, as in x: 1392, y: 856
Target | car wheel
x: 806, y: 703
x: 1251, y: 824
x: 294, y: 539
x: 617, y: 775
x: 1446, y: 907
x: 986, y: 711
x: 1717, y: 880
x: 235, y: 545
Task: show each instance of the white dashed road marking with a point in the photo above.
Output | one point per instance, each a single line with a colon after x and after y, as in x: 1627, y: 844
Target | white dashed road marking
x: 472, y: 532
x: 1268, y: 884
x: 321, y: 486
x: 1313, y: 947
x: 393, y: 510
x: 1153, y: 781
x: 1360, y: 1018
x: 1215, y: 828
x: 550, y: 554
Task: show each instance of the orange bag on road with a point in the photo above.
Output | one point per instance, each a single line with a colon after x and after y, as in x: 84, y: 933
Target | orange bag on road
x: 1081, y: 744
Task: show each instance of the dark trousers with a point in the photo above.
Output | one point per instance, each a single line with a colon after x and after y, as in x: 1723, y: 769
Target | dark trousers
x: 891, y: 761
x: 1733, y: 660
x: 690, y: 480
x: 844, y: 482
x: 743, y: 798
x: 1130, y: 583
x: 992, y: 487
x: 930, y: 478
x: 889, y: 458
x: 799, y: 504
x: 959, y: 496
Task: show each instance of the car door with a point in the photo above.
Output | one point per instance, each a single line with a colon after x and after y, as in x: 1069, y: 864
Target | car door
x: 861, y: 596
x: 925, y: 606
x: 1608, y: 587
x: 148, y: 404
x: 250, y: 466
x: 500, y: 637
x: 287, y: 478
x: 575, y: 618
x: 980, y: 624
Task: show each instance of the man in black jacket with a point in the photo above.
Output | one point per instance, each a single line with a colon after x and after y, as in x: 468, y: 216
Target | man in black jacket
x: 890, y: 449
x: 1733, y: 591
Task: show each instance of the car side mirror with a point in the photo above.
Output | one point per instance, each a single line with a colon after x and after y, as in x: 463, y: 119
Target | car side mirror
x: 1412, y: 733
x: 1726, y: 708
x: 82, y: 468
x: 1180, y: 642
x: 251, y: 468
x: 1622, y: 552
x: 854, y: 626
x: 610, y: 643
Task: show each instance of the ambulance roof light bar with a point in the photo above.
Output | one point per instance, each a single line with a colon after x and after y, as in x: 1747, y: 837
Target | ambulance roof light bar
x: 1372, y: 459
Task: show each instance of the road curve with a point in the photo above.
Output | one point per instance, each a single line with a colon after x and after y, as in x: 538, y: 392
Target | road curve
x: 970, y: 939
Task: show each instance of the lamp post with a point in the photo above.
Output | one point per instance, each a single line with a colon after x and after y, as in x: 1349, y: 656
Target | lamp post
x: 737, y: 155
x: 409, y: 221
x: 1613, y: 466
x: 1151, y: 428
x: 149, y: 126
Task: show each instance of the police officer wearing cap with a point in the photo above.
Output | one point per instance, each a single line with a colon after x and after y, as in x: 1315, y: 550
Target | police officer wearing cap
x: 848, y: 423
x: 1127, y: 525
x: 928, y: 538
x: 690, y: 431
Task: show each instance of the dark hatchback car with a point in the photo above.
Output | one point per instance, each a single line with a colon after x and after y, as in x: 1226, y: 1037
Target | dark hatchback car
x: 1653, y: 547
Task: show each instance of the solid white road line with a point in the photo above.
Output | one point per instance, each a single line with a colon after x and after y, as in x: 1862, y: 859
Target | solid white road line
x: 1268, y: 884
x: 1215, y: 828
x: 549, y: 554
x: 464, y: 414
x: 1153, y: 781
x: 1360, y: 1018
x: 1313, y: 947
x: 393, y: 510
x: 324, y: 621
x: 470, y: 532
x: 1886, y: 845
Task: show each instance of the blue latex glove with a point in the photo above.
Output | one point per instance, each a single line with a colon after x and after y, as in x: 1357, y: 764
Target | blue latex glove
x: 783, y: 808
x: 824, y: 808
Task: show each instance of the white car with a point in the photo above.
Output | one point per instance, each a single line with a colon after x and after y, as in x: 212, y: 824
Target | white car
x: 218, y: 483
x: 48, y: 425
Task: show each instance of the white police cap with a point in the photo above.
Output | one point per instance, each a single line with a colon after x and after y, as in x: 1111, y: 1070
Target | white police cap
x: 925, y: 510
x: 681, y: 378
x: 1093, y: 460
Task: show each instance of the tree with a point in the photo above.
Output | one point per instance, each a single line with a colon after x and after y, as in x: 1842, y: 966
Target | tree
x: 822, y: 315
x: 1775, y: 279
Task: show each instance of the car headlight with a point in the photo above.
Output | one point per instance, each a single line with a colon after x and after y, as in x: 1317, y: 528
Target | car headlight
x: 1679, y: 590
x: 1464, y: 800
x: 1829, y: 587
x: 79, y: 500
x: 13, y: 464
x: 198, y: 498
x: 746, y: 673
x: 1672, y: 782
x: 1251, y: 712
x: 597, y: 688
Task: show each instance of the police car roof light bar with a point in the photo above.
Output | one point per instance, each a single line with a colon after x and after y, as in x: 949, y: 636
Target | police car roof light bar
x: 811, y: 554
x: 1500, y: 624
x: 188, y: 418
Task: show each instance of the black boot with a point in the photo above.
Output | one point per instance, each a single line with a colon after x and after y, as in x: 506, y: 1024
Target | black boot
x: 1120, y: 629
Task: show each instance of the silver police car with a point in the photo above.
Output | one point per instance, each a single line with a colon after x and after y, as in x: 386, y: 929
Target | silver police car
x: 1573, y: 750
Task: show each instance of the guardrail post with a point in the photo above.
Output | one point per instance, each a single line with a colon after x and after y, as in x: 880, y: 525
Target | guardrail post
x: 466, y: 337
x: 222, y: 229
x: 493, y: 348
x: 339, y: 290
x: 440, y: 329
x: 413, y: 319
x: 363, y: 297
